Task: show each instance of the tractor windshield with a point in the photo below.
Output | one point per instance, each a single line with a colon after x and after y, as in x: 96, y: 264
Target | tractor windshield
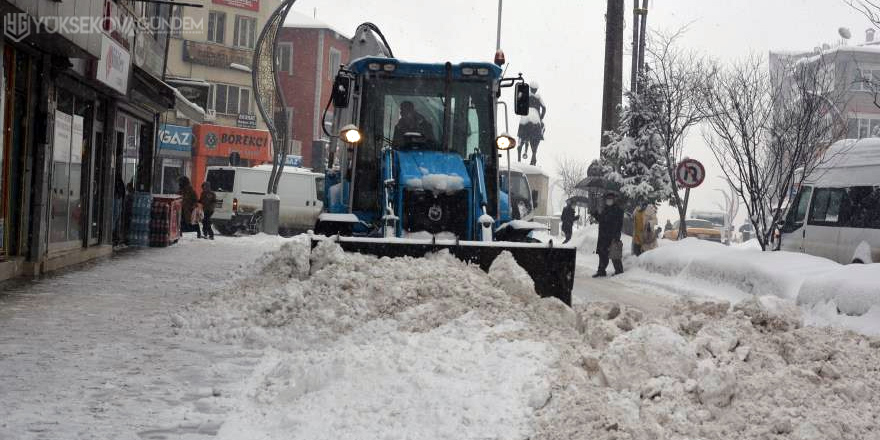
x: 410, y: 113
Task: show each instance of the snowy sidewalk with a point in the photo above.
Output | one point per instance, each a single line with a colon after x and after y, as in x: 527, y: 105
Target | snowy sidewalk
x: 91, y: 353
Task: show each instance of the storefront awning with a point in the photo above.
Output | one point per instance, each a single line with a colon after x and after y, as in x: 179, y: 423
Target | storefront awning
x: 187, y: 108
x: 154, y: 92
x: 160, y: 96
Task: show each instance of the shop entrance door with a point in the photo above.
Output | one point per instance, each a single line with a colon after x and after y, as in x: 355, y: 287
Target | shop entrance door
x: 68, y: 214
x: 172, y: 169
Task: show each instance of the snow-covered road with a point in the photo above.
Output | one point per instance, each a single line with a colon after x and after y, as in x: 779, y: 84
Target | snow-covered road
x: 91, y: 353
x: 249, y: 338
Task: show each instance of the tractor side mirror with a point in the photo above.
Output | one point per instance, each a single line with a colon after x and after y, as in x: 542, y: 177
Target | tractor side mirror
x: 521, y: 105
x: 534, y: 199
x: 341, y: 90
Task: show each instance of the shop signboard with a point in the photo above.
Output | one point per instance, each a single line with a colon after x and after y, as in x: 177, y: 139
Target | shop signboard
x: 250, y: 5
x: 292, y: 160
x: 175, y: 140
x: 113, y: 67
x: 221, y: 141
x: 246, y: 121
x: 215, y: 55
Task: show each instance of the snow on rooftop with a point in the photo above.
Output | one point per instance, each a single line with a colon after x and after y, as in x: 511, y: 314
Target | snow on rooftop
x: 299, y: 20
x: 526, y: 168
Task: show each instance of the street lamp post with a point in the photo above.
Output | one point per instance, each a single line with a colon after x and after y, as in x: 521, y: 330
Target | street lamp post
x: 272, y: 107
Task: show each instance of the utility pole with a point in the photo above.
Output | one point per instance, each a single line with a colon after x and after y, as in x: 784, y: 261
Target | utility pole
x: 642, y: 33
x: 613, y: 81
x: 640, y: 28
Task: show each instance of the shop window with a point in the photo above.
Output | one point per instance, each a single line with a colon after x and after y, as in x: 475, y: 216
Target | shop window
x: 70, y: 150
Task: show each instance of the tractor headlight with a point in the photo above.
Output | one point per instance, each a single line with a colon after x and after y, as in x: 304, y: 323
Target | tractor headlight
x: 351, y: 134
x: 505, y: 142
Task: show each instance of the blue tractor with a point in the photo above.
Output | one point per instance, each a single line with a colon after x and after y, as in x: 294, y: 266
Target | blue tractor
x: 419, y: 169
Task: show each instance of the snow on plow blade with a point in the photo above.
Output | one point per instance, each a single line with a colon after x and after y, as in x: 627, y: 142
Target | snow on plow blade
x: 551, y: 268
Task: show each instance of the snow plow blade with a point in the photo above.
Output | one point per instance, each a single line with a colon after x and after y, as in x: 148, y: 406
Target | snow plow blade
x: 551, y: 268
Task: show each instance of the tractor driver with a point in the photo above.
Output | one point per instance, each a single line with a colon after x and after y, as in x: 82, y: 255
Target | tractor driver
x: 412, y: 122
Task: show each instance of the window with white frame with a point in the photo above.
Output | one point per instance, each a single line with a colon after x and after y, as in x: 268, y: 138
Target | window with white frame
x: 284, y: 57
x: 245, y: 32
x: 866, y: 79
x: 335, y: 61
x: 858, y: 128
x: 217, y: 27
x: 229, y: 100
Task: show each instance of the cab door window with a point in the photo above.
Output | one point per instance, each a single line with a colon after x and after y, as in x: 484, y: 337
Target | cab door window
x: 798, y: 211
x: 825, y: 210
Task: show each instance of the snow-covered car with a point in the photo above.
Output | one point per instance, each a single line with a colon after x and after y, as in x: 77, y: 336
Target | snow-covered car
x: 836, y: 212
x: 697, y: 228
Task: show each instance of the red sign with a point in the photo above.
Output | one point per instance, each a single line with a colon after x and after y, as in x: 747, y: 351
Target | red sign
x: 251, y: 5
x: 690, y: 173
x: 221, y: 141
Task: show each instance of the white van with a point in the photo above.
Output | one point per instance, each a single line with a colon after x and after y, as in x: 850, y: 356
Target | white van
x: 240, y: 192
x: 836, y: 212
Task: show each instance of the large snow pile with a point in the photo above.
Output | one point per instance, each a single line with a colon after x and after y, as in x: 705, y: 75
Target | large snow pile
x: 812, y: 282
x: 709, y: 371
x: 364, y: 347
x: 356, y: 346
x: 854, y: 288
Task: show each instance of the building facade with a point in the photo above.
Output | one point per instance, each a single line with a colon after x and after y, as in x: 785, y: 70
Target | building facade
x: 211, y: 67
x: 309, y: 56
x: 854, y: 71
x: 80, y: 108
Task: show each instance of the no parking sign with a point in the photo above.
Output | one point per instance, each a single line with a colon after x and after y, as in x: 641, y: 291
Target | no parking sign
x: 690, y: 173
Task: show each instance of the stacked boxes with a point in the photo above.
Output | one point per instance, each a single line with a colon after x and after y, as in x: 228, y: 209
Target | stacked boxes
x: 141, y: 210
x: 165, y: 222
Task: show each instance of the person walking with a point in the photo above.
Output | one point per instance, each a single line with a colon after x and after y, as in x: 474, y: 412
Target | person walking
x: 649, y: 235
x: 608, y: 245
x: 208, y: 199
x: 638, y: 236
x: 568, y: 218
x: 188, y: 194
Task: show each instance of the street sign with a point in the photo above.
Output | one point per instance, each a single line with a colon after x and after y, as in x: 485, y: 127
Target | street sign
x: 690, y: 173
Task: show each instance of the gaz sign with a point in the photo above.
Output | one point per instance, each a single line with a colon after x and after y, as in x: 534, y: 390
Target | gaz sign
x: 690, y: 173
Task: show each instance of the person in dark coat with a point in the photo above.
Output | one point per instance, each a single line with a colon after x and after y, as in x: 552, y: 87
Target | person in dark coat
x: 412, y: 121
x: 208, y: 199
x: 610, y: 225
x: 188, y: 204
x: 568, y: 218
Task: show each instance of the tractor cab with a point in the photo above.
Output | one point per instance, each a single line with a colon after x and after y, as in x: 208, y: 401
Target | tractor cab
x: 427, y: 151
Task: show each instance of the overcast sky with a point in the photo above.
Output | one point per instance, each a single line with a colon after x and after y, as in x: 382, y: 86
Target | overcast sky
x: 561, y: 43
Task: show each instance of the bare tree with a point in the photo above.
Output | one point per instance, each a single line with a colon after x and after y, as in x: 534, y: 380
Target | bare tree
x: 571, y: 171
x: 678, y: 76
x: 769, y: 131
x: 869, y: 8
